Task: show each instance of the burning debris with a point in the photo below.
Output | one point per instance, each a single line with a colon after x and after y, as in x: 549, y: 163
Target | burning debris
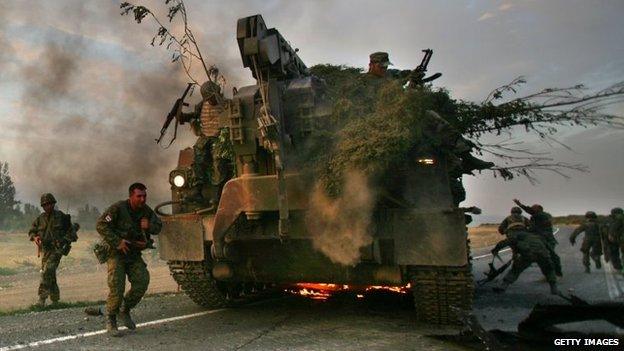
x: 324, y: 291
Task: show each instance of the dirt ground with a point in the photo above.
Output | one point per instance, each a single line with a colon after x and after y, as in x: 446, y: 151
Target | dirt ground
x: 81, y: 278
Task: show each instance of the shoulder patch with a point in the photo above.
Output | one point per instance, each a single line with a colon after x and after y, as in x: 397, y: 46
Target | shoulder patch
x: 108, y: 218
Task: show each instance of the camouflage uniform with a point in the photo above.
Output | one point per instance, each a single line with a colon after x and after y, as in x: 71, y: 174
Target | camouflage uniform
x: 615, y: 236
x: 592, y: 245
x: 529, y: 248
x: 211, y: 169
x: 119, y: 222
x: 513, y: 221
x: 541, y: 224
x: 55, y: 232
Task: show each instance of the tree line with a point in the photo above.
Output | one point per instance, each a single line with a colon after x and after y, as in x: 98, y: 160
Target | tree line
x: 15, y: 215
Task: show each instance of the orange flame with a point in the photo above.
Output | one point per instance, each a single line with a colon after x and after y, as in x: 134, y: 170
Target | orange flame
x: 323, y: 291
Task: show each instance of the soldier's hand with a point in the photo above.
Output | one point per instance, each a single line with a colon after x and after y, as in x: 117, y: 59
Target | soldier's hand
x: 123, y: 246
x: 517, y: 202
x: 37, y: 240
x: 144, y: 223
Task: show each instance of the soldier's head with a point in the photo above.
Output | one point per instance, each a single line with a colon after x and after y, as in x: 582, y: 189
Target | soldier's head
x: 47, y: 202
x: 537, y: 208
x: 378, y: 64
x: 617, y: 211
x: 137, y: 195
x: 516, y: 210
x: 590, y: 215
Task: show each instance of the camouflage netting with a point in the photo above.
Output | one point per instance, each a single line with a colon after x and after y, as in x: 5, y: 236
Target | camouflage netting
x: 377, y: 124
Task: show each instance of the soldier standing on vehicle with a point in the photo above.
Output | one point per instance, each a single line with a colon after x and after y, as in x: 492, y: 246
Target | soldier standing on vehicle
x: 591, y: 242
x: 615, y: 237
x: 211, y: 168
x: 52, y: 233
x: 541, y: 223
x: 528, y: 248
x: 126, y: 227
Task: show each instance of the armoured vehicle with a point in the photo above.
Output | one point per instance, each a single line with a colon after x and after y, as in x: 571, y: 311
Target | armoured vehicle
x: 253, y: 232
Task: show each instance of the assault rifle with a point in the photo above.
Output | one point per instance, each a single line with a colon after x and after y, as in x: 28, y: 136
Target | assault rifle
x: 176, y: 112
x: 417, y: 77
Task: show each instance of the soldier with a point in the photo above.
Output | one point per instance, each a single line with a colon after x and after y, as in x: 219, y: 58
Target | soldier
x: 541, y: 224
x: 515, y: 219
x: 211, y: 169
x: 125, y: 227
x: 52, y: 233
x: 615, y: 237
x: 591, y: 242
x: 528, y: 248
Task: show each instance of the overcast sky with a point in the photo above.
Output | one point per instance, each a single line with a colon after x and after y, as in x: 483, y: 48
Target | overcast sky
x: 83, y: 94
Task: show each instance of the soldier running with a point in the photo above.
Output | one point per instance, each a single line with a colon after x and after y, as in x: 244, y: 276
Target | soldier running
x: 126, y: 227
x: 52, y: 233
x: 528, y: 248
x: 541, y: 224
x: 591, y: 245
x: 615, y: 237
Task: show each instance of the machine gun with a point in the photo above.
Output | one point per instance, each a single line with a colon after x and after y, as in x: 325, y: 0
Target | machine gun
x: 176, y: 112
x: 417, y: 77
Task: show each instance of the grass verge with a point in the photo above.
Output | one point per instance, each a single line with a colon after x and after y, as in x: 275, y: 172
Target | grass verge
x: 4, y: 271
x: 58, y: 306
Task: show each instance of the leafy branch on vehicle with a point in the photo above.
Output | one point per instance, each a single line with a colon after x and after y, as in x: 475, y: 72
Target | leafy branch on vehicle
x: 185, y: 48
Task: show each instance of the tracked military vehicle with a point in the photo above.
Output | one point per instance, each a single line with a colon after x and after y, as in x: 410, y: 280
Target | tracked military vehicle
x: 253, y: 232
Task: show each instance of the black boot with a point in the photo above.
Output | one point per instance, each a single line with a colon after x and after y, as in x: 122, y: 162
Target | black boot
x: 598, y: 264
x: 124, y: 315
x: 111, y: 325
x: 587, y: 269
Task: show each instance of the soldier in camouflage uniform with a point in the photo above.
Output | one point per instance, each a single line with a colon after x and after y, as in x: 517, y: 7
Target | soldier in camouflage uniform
x: 51, y: 232
x: 615, y: 237
x: 515, y: 219
x: 211, y: 166
x: 126, y: 227
x: 592, y: 245
x: 541, y: 224
x: 528, y: 248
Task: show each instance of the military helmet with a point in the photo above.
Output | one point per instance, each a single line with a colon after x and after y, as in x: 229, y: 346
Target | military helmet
x: 47, y: 198
x: 591, y: 214
x: 537, y: 207
x: 617, y: 210
x: 516, y: 210
x: 380, y: 57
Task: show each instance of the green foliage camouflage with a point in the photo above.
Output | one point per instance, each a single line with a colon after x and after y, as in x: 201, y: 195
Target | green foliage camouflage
x: 377, y: 123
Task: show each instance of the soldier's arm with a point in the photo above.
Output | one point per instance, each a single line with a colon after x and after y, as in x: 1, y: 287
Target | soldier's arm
x: 104, y: 227
x: 34, y: 229
x: 615, y: 229
x: 502, y: 226
x: 155, y: 225
x: 578, y: 230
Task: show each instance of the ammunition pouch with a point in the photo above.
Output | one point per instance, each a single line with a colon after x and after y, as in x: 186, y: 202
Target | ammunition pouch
x: 102, y: 251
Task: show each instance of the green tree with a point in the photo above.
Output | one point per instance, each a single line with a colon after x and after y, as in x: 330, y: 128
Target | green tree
x: 8, y: 204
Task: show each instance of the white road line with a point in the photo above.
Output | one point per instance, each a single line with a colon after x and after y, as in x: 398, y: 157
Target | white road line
x: 103, y: 331
x: 501, y: 251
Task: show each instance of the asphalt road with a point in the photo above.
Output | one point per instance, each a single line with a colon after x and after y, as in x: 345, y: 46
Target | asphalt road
x: 505, y: 311
x: 294, y: 323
